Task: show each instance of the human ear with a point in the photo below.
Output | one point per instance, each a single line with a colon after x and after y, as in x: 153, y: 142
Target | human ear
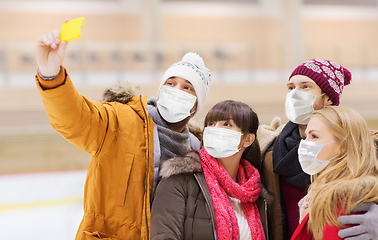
x: 342, y: 149
x: 328, y: 101
x: 249, y: 139
x: 194, y: 109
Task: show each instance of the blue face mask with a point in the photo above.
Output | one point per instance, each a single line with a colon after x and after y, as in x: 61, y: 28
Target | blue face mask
x: 307, y: 153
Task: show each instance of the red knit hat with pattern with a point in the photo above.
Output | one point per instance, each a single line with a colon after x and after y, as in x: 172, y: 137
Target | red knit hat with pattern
x: 329, y: 76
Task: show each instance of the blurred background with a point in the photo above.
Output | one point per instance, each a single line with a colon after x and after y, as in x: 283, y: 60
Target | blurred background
x: 250, y: 46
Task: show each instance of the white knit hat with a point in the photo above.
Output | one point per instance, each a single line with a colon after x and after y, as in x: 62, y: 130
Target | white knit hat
x: 191, y: 68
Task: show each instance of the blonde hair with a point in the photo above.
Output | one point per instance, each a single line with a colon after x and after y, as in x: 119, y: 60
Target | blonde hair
x: 351, y: 178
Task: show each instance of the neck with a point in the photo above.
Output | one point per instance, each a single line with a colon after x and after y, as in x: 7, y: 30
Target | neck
x: 179, y: 126
x: 231, y: 164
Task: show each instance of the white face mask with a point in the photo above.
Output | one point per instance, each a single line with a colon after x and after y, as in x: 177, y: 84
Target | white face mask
x: 307, y: 153
x: 221, y: 142
x: 299, y: 105
x: 174, y: 105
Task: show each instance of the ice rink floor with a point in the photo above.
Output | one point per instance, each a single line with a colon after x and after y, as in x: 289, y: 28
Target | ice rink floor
x: 41, y: 206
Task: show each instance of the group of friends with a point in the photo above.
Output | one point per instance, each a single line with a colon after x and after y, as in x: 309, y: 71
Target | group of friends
x: 152, y: 177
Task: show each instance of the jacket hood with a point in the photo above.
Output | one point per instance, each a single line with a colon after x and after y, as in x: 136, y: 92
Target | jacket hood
x: 123, y: 95
x: 190, y: 163
x: 119, y: 94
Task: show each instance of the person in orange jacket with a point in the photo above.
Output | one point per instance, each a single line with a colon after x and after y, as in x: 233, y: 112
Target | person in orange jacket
x: 128, y: 138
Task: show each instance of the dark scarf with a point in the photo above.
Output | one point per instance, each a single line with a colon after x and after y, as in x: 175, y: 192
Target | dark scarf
x: 285, y: 157
x: 171, y: 143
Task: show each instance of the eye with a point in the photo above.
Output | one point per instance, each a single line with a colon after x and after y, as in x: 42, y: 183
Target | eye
x: 210, y: 124
x: 289, y: 88
x: 311, y: 136
x: 306, y: 86
x: 227, y: 124
x: 189, y: 88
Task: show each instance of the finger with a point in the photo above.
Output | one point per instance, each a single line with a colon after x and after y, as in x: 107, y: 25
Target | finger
x: 50, y: 40
x: 43, y: 41
x: 50, y: 36
x: 56, y: 36
x: 351, y: 219
x: 352, y: 231
x: 360, y: 237
x: 62, y: 48
x: 362, y: 207
x: 56, y: 33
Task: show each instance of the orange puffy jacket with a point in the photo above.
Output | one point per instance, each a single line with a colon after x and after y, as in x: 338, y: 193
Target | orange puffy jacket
x: 120, y: 176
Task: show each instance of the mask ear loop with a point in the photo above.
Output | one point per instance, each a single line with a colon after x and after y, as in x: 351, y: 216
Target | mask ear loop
x: 331, y: 157
x: 240, y: 142
x: 328, y: 143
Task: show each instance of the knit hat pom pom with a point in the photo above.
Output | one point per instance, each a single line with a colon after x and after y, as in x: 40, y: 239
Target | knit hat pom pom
x: 194, y: 58
x: 347, y: 76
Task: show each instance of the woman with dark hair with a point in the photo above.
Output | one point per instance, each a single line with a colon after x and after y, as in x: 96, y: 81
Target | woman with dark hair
x: 212, y: 195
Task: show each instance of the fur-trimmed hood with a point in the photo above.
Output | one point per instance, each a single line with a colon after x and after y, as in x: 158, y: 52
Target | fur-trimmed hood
x: 191, y: 163
x: 119, y: 94
x: 123, y: 95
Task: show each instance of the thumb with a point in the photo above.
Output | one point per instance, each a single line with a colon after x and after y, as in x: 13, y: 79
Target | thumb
x: 62, y: 49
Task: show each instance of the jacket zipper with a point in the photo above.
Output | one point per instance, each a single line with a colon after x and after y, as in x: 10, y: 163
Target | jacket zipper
x: 207, y: 201
x: 148, y: 167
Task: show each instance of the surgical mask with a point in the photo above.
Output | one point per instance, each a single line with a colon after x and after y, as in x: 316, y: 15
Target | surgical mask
x: 307, y: 153
x: 174, y: 105
x: 299, y: 105
x: 221, y: 142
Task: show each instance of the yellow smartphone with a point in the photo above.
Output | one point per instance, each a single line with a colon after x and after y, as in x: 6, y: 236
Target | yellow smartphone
x: 72, y: 29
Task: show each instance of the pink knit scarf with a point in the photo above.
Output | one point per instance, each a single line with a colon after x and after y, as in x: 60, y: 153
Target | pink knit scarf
x: 247, y: 190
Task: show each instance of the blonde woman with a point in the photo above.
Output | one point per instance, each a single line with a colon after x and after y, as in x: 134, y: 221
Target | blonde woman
x: 340, y: 155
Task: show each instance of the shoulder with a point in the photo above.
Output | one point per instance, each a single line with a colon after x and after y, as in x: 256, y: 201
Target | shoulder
x: 190, y: 163
x: 267, y: 134
x: 120, y: 94
x: 330, y: 232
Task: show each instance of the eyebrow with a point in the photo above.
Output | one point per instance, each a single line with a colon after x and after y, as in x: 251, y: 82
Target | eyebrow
x: 312, y: 130
x: 304, y: 82
x: 188, y: 82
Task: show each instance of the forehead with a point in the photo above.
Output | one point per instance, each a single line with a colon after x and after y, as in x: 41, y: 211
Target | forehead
x: 178, y: 80
x: 229, y: 120
x: 316, y: 124
x: 301, y: 79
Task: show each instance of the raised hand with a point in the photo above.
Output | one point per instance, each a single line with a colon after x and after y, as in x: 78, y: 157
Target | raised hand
x: 50, y: 53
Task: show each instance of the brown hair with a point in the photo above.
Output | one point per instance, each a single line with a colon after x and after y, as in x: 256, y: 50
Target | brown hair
x: 242, y: 114
x: 245, y: 118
